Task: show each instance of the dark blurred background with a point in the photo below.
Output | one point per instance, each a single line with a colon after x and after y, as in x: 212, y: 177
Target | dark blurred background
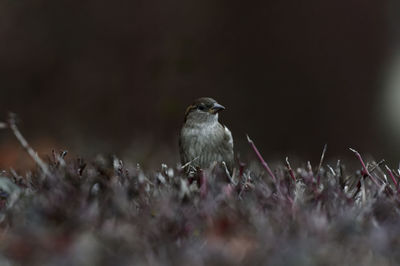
x: 115, y: 77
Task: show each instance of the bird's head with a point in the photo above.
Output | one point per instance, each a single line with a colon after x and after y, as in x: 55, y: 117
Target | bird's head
x: 203, y: 110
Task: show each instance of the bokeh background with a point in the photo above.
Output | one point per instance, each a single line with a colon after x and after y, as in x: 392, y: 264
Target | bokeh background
x: 115, y: 77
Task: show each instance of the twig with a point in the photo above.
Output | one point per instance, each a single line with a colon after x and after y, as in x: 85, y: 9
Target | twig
x: 261, y: 158
x: 376, y: 165
x: 43, y: 166
x: 189, y: 163
x: 365, y: 170
x: 331, y: 169
x: 228, y: 174
x: 291, y: 173
x: 363, y: 192
x: 322, y: 158
x: 310, y: 171
x: 392, y: 177
x: 320, y: 162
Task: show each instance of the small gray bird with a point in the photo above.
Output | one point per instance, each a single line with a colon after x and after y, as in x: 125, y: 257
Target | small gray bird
x: 204, y: 141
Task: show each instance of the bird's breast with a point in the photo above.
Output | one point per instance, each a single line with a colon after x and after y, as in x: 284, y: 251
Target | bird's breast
x: 201, y: 143
x: 203, y: 136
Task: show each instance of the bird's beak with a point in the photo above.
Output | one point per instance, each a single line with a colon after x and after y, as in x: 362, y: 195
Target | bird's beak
x: 216, y: 108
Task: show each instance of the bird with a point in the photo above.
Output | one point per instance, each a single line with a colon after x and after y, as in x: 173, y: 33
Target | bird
x: 203, y: 140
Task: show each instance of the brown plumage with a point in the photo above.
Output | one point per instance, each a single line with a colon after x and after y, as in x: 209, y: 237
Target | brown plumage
x: 204, y: 141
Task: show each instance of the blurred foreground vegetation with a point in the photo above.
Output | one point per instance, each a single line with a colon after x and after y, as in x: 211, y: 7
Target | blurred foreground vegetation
x: 103, y: 211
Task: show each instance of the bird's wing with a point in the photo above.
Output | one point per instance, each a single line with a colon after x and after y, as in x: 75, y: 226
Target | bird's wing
x: 228, y: 136
x: 227, y: 148
x: 186, y: 145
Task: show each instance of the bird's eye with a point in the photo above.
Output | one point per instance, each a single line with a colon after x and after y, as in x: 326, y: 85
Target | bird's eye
x: 201, y: 108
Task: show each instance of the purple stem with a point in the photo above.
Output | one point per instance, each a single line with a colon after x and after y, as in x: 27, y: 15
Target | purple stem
x: 364, y: 166
x: 392, y: 177
x: 261, y: 159
x: 290, y: 170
